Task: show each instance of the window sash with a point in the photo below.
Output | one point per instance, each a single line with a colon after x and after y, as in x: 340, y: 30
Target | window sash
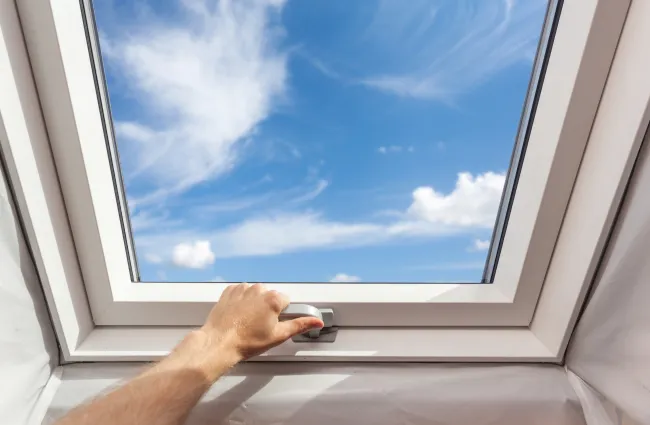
x: 64, y: 71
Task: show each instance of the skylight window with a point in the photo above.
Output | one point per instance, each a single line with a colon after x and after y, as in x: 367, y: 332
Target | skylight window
x: 345, y: 153
x: 290, y: 141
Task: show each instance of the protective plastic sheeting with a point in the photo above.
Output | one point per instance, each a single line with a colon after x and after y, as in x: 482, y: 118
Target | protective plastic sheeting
x: 362, y: 394
x: 611, y: 346
x: 28, y: 350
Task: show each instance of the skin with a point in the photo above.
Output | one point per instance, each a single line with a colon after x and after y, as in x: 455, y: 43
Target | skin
x: 244, y: 323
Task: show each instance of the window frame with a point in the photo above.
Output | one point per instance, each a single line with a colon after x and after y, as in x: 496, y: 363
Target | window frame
x: 63, y: 183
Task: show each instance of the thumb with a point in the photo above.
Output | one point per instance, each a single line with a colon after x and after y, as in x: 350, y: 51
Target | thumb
x: 291, y: 328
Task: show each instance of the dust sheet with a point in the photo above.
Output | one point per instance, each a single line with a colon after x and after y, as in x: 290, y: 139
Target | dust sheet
x: 611, y: 346
x: 28, y: 350
x: 323, y: 394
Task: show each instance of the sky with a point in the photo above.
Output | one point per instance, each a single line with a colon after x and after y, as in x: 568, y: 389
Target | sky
x: 315, y: 141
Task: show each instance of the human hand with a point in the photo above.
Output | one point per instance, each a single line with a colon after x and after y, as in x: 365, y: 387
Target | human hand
x: 245, y: 321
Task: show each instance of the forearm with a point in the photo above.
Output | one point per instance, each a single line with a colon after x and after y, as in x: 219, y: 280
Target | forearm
x: 164, y: 394
x: 244, y: 323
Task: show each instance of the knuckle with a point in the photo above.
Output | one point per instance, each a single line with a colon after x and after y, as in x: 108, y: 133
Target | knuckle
x: 226, y: 292
x: 275, y: 300
x: 259, y: 288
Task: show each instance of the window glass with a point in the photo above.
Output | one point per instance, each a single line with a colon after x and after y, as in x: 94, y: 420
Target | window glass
x: 316, y: 141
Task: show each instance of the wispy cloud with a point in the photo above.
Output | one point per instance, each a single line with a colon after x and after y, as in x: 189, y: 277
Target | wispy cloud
x: 151, y: 219
x: 440, y: 51
x: 321, y: 185
x: 290, y: 233
x: 207, y: 80
x: 270, y: 200
x: 216, y: 206
x: 321, y: 66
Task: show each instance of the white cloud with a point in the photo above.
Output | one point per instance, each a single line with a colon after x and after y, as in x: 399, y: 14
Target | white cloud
x: 207, y: 79
x: 198, y: 255
x: 480, y: 245
x: 473, y: 202
x: 218, y: 279
x: 432, y: 58
x: 342, y: 277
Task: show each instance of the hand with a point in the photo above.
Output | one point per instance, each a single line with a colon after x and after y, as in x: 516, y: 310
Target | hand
x: 245, y: 321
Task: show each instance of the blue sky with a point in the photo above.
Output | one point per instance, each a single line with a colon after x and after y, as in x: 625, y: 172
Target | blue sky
x: 287, y: 140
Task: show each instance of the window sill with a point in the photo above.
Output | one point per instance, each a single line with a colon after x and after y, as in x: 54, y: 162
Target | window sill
x: 351, y: 345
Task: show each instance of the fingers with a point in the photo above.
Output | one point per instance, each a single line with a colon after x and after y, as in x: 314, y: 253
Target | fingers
x: 290, y: 328
x: 243, y: 291
x: 255, y: 290
x: 227, y: 292
x: 277, y: 301
x: 239, y: 290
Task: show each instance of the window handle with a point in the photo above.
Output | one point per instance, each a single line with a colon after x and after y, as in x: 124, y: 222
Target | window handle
x: 327, y: 334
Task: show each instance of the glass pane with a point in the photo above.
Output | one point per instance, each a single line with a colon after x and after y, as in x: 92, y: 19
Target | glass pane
x: 316, y: 141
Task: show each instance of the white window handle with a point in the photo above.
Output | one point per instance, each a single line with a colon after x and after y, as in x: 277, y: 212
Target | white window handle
x: 294, y: 311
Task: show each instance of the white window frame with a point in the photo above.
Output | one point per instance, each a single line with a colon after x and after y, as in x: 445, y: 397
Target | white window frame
x: 591, y: 117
